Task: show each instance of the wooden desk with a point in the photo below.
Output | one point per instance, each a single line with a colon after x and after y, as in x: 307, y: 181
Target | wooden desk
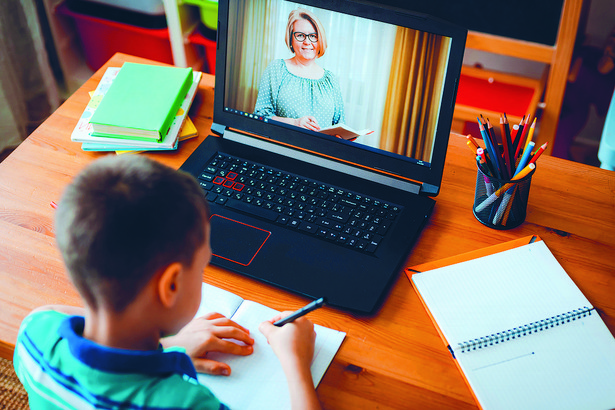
x: 392, y: 360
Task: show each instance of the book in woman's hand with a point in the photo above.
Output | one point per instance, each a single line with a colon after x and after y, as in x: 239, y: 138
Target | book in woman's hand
x: 344, y: 131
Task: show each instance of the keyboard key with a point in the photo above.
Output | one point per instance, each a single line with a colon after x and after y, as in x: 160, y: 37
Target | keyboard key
x: 334, y: 214
x: 252, y: 209
x: 308, y: 227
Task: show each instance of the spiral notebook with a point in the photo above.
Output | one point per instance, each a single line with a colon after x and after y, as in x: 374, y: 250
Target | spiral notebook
x: 520, y: 330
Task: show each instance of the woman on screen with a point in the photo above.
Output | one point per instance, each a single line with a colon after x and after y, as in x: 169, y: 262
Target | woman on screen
x: 297, y: 90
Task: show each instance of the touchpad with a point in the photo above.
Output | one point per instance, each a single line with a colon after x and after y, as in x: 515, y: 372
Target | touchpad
x: 236, y: 241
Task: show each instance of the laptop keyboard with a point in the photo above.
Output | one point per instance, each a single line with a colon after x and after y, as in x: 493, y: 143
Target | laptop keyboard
x: 331, y: 213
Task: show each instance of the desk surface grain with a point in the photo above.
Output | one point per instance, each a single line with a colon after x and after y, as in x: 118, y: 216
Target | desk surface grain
x: 394, y: 359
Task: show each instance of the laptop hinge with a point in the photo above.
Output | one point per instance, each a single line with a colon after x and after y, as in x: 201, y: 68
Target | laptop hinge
x: 358, y: 172
x: 218, y: 129
x: 429, y: 189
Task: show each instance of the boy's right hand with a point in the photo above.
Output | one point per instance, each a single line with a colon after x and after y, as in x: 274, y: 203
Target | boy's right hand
x: 292, y: 343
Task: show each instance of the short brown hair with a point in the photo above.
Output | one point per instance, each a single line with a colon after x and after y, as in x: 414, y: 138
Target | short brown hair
x: 302, y: 14
x: 123, y: 219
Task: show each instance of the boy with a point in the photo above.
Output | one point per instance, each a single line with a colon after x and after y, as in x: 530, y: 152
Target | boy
x: 134, y: 235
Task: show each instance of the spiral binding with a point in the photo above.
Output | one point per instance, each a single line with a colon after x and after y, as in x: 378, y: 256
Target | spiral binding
x: 517, y: 332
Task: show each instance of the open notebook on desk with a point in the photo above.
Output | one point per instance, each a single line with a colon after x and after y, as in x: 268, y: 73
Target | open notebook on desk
x: 520, y: 330
x: 257, y: 381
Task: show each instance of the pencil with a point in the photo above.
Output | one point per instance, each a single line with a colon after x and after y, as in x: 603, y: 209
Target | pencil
x: 521, y: 145
x: 507, y: 128
x: 491, y: 199
x: 491, y: 154
x: 530, y: 134
x: 518, y: 135
x: 496, y: 150
x: 481, y: 152
x: 508, y: 158
x: 538, y: 153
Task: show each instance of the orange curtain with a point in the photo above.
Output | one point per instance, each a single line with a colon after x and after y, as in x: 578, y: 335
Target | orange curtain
x: 414, y: 94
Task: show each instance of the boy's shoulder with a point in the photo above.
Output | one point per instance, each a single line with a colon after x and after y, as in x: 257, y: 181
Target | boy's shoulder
x: 54, y: 362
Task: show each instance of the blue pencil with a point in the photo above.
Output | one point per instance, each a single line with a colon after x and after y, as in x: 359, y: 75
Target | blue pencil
x: 490, y: 149
x: 525, y: 157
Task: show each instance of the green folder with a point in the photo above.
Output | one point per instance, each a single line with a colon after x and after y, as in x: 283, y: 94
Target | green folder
x: 141, y: 102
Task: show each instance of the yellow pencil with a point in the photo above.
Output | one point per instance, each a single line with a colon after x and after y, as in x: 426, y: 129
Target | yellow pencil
x: 530, y: 134
x: 472, y: 141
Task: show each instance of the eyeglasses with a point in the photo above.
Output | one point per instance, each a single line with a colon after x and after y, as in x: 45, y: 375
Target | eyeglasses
x: 313, y: 37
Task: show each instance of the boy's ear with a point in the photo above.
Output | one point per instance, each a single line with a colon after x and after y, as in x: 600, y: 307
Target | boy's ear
x: 168, y: 284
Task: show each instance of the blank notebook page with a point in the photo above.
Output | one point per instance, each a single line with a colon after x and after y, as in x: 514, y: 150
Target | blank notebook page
x: 498, y: 292
x: 571, y: 365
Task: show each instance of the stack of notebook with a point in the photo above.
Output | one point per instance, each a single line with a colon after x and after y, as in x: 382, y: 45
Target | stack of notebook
x: 138, y: 107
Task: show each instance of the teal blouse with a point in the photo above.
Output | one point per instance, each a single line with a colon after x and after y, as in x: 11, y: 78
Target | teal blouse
x: 284, y: 94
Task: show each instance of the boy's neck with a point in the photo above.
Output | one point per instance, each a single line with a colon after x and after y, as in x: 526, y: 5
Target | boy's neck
x: 125, y: 330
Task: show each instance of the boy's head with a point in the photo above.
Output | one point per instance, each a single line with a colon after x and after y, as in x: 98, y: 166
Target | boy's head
x: 122, y: 220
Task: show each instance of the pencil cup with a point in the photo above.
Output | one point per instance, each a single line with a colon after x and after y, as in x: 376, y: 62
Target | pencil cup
x: 501, y: 204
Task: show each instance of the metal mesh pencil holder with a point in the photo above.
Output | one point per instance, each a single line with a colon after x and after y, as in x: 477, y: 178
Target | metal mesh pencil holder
x: 501, y: 204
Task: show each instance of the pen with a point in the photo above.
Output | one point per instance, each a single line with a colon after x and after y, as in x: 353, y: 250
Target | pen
x: 301, y: 312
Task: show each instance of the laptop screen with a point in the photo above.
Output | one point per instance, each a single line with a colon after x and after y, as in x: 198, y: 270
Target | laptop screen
x: 359, y: 83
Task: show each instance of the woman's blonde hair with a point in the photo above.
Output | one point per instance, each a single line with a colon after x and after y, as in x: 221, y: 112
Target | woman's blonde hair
x: 302, y: 14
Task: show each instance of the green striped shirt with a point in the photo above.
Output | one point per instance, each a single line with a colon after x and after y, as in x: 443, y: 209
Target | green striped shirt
x: 62, y: 370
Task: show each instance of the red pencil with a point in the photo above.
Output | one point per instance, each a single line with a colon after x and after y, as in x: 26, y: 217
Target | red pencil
x: 517, y: 137
x: 521, y: 143
x: 538, y: 153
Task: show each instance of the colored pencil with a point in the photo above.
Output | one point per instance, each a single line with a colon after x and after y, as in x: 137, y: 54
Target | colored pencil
x: 496, y: 150
x: 508, y: 158
x: 538, y: 153
x: 491, y: 153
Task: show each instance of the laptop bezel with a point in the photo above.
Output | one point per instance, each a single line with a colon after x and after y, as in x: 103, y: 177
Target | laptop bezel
x: 429, y: 177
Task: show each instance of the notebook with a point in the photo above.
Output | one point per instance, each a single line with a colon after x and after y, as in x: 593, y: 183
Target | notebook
x: 362, y: 202
x: 521, y: 331
x: 83, y: 130
x: 142, y: 102
x: 257, y: 381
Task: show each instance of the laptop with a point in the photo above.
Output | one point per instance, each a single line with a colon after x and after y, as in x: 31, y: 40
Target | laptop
x: 332, y: 215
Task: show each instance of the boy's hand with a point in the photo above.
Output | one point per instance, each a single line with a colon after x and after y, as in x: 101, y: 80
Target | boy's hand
x: 211, y: 333
x: 292, y: 343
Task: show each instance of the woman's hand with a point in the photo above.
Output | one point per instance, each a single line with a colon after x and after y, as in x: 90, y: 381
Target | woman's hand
x: 211, y: 333
x: 308, y: 122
